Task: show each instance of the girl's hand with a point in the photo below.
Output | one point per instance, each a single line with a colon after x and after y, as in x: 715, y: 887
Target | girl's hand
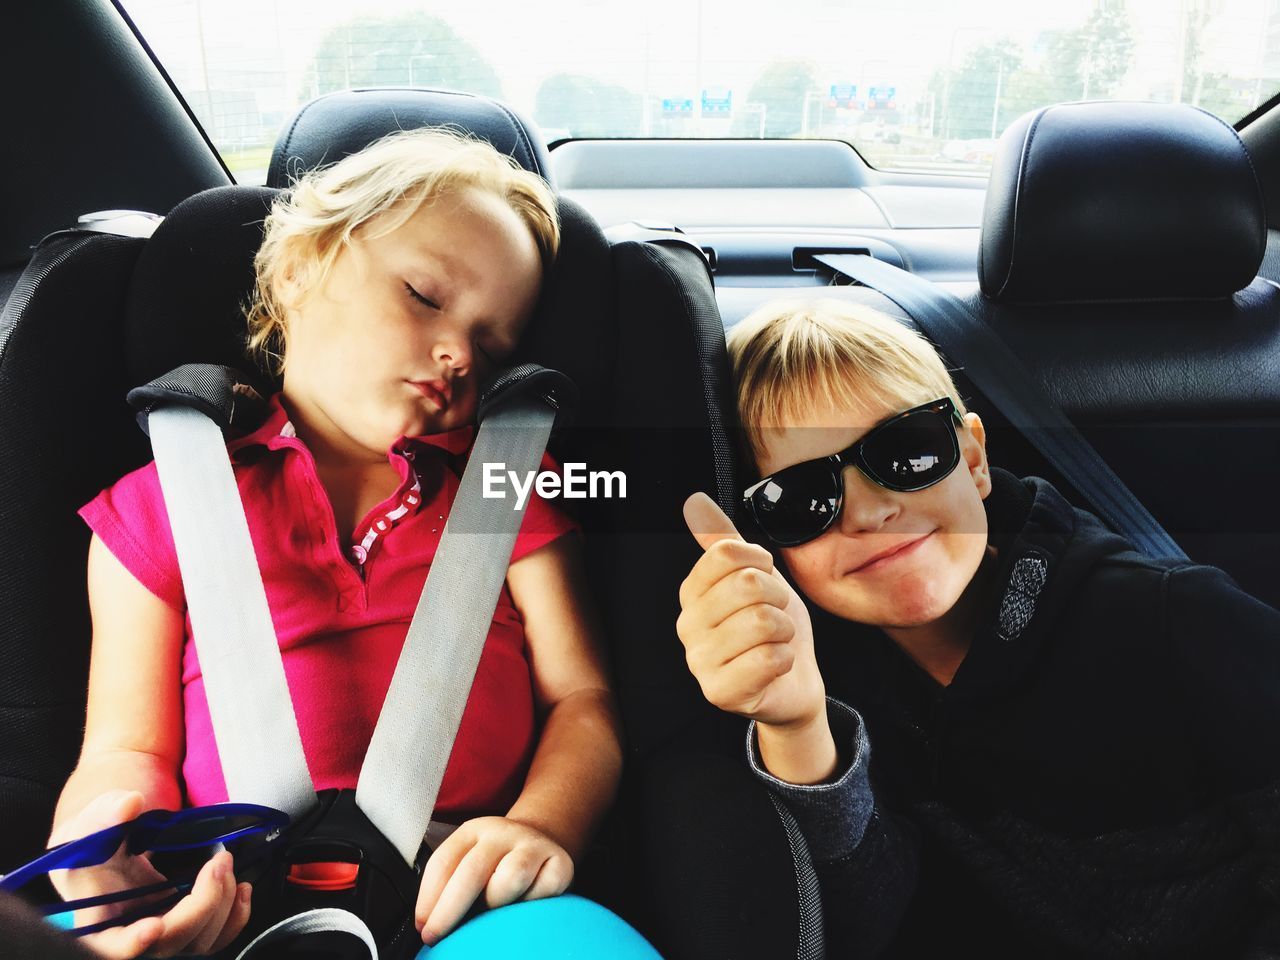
x: 202, y: 922
x: 504, y: 859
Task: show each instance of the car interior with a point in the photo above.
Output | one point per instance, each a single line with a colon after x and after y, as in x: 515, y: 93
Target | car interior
x: 1126, y: 253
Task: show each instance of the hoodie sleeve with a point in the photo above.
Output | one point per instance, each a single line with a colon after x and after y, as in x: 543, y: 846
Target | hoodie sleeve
x: 1225, y: 646
x: 867, y: 861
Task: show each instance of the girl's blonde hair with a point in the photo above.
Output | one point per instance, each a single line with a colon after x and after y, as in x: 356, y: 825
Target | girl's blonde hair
x: 391, y: 179
x: 793, y: 358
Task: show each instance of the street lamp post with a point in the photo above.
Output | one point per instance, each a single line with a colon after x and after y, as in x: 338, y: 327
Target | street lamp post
x: 946, y: 80
x: 995, y: 107
x: 211, y: 120
x: 809, y: 98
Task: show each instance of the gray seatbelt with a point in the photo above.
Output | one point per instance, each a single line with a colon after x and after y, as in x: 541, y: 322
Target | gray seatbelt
x: 998, y: 373
x: 249, y: 701
x: 419, y: 722
x: 321, y: 920
x: 239, y: 655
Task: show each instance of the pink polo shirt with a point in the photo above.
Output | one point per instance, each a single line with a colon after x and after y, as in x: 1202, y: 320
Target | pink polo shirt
x: 341, y: 610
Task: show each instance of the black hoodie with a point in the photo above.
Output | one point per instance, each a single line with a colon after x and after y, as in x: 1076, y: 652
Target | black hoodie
x: 1101, y: 778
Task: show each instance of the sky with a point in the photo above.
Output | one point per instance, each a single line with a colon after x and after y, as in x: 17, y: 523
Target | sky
x: 673, y: 48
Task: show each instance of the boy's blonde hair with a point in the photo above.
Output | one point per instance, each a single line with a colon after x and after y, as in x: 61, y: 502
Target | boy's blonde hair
x: 391, y: 179
x: 794, y: 358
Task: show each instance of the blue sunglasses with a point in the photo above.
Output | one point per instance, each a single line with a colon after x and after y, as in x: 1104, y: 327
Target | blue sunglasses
x: 156, y: 831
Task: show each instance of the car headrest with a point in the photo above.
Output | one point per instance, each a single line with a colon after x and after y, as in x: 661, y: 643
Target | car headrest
x: 1120, y: 201
x: 193, y: 275
x: 339, y: 124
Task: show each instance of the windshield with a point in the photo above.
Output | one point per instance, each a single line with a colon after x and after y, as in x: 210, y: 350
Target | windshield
x: 920, y: 85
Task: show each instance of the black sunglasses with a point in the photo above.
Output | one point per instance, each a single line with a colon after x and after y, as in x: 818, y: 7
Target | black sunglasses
x: 908, y: 452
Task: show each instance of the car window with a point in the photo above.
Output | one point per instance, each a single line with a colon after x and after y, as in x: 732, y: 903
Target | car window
x: 918, y: 85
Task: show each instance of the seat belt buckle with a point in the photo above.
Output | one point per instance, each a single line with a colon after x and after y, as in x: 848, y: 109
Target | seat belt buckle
x: 326, y: 875
x: 323, y: 865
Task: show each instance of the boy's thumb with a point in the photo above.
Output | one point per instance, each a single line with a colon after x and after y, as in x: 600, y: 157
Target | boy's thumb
x: 707, y: 522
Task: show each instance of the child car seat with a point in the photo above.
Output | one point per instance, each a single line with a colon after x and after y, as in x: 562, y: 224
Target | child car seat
x: 633, y: 325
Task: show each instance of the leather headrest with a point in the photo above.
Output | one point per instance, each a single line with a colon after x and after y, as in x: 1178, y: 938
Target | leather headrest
x: 1120, y: 201
x: 339, y: 124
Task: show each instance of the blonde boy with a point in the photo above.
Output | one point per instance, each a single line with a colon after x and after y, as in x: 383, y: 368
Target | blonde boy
x: 1077, y: 747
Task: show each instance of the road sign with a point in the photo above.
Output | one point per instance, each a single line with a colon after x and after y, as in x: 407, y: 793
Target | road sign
x: 844, y: 96
x: 882, y: 98
x: 717, y: 102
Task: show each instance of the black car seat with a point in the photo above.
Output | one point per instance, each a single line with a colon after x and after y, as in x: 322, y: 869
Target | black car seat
x: 1119, y: 255
x: 656, y: 406
x: 633, y: 324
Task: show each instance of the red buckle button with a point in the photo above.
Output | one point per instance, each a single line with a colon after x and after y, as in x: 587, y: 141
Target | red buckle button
x: 324, y: 876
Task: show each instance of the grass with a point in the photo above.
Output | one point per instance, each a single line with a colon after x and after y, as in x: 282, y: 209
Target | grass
x: 252, y: 159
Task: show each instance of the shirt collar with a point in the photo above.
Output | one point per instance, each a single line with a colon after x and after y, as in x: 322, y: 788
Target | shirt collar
x: 457, y: 441
x: 276, y: 431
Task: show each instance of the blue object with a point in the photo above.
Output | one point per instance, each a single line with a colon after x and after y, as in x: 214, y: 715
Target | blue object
x: 558, y: 928
x: 158, y: 831
x: 843, y: 94
x: 717, y: 102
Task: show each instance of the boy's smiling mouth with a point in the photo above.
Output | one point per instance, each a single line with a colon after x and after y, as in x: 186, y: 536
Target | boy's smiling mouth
x: 882, y: 559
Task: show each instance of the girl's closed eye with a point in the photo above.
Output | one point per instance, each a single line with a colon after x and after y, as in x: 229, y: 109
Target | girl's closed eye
x: 427, y: 301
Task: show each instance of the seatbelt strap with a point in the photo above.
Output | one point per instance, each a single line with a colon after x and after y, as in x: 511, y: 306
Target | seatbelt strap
x: 415, y: 733
x: 307, y: 923
x: 998, y: 372
x: 250, y: 708
x: 240, y: 661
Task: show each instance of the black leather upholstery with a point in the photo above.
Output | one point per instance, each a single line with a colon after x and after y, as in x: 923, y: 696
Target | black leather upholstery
x: 1184, y: 360
x: 1144, y: 225
x: 337, y: 124
x: 1120, y: 201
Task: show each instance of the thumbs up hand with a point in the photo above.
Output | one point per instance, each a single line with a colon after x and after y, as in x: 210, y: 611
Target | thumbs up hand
x: 749, y: 643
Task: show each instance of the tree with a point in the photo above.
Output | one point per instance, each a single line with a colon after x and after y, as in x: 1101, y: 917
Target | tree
x: 972, y: 94
x: 1219, y: 93
x: 1089, y: 62
x: 413, y: 49
x: 782, y: 86
x: 587, y: 107
x: 1223, y: 95
x: 1028, y: 90
x: 1085, y: 63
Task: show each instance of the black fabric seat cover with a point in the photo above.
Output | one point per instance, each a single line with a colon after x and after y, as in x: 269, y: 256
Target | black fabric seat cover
x: 337, y: 124
x: 95, y: 314
x: 635, y: 327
